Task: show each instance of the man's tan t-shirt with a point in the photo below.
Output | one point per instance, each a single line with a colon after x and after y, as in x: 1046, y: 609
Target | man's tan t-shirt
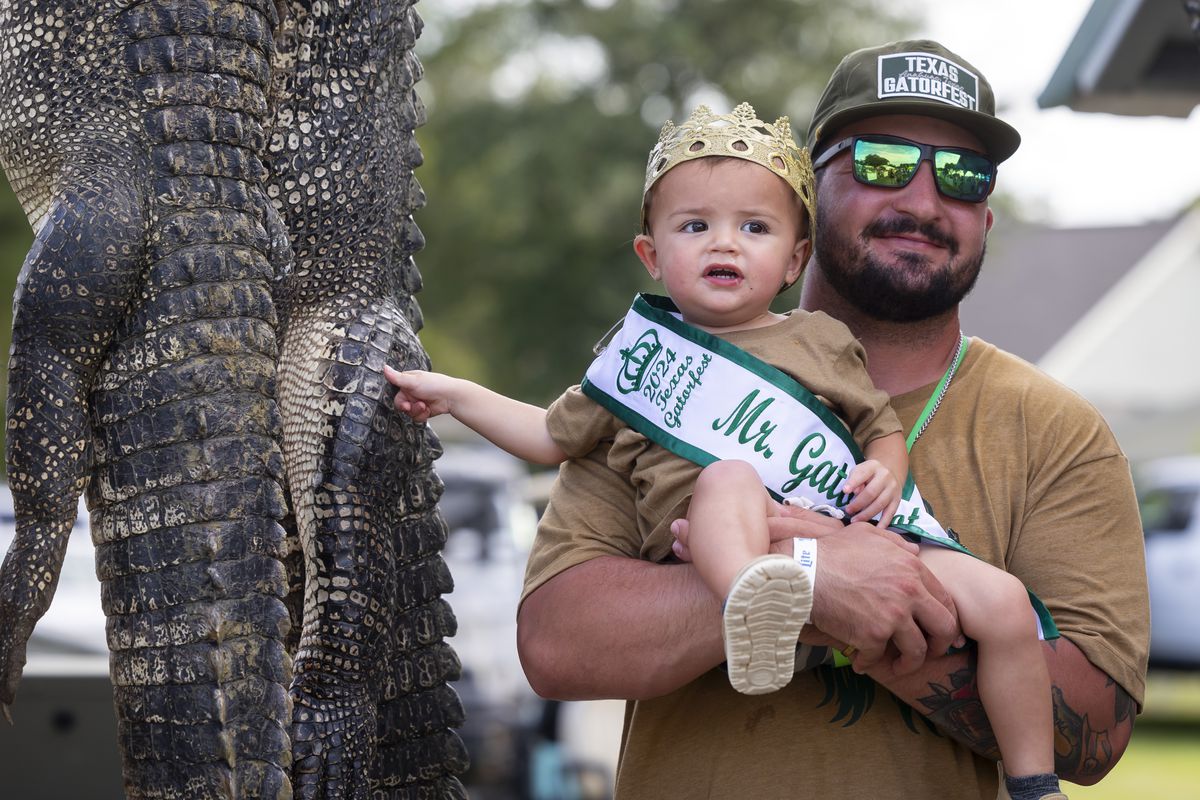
x: 1029, y: 476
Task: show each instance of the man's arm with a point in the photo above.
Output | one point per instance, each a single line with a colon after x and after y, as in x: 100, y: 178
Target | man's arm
x: 615, y: 627
x: 1093, y: 715
x: 595, y: 621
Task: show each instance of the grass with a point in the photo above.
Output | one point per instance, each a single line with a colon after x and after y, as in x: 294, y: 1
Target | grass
x: 1163, y: 758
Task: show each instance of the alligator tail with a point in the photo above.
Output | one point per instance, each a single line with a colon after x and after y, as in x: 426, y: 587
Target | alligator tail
x: 373, y: 709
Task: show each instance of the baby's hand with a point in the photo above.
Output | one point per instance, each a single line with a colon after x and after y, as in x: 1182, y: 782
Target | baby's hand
x: 420, y: 394
x: 875, y: 490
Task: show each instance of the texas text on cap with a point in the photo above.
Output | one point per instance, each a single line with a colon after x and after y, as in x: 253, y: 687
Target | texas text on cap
x: 911, y: 77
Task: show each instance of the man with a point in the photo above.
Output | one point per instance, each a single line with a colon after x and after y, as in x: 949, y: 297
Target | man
x: 1024, y: 470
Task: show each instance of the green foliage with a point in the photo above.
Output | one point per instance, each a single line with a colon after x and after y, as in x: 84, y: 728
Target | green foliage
x: 541, y: 115
x: 15, y: 239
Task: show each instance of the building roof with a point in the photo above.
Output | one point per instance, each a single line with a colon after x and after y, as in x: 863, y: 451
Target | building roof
x: 1038, y: 282
x: 1134, y: 349
x: 1111, y: 313
x: 1135, y: 57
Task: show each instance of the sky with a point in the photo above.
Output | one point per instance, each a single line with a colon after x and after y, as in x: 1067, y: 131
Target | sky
x: 1017, y: 44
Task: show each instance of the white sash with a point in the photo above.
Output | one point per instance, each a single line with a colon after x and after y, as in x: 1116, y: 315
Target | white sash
x: 706, y: 400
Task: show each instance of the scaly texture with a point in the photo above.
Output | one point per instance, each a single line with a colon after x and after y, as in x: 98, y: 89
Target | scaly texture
x: 373, y: 711
x: 144, y: 369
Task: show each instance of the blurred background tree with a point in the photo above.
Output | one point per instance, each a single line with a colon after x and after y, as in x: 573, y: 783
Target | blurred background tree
x: 15, y: 240
x: 541, y: 115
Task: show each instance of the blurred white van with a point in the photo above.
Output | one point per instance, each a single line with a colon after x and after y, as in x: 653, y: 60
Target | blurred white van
x: 1169, y: 497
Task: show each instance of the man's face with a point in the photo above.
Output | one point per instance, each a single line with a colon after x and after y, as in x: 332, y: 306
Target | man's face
x: 899, y: 255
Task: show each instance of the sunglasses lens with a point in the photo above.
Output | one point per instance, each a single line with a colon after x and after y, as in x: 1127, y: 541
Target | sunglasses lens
x: 963, y: 175
x: 889, y: 164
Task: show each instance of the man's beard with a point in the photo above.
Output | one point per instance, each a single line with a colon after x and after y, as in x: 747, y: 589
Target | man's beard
x: 882, y: 291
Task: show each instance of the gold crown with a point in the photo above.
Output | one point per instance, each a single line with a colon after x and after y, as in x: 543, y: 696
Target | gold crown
x: 738, y: 135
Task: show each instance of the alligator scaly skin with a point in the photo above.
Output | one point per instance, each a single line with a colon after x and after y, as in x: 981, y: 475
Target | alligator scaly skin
x: 143, y: 368
x: 373, y: 712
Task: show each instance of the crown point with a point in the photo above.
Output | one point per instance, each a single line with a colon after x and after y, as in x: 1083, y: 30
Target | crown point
x: 665, y: 132
x: 740, y: 134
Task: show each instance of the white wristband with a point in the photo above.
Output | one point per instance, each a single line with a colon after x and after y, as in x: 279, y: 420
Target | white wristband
x: 805, y: 553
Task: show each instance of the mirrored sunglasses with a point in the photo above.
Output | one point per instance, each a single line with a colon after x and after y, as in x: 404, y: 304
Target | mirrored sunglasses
x: 891, y: 162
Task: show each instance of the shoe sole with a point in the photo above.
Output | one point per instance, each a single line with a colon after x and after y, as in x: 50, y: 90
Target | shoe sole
x: 768, y: 604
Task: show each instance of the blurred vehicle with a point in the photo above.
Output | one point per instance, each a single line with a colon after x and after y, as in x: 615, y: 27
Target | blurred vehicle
x: 1169, y: 497
x: 489, y: 529
x: 521, y: 746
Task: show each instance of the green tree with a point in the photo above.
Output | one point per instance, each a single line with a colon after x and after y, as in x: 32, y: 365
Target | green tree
x: 541, y: 115
x: 15, y: 240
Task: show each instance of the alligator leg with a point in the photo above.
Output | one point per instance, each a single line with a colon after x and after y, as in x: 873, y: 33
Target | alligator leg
x: 370, y: 694
x: 144, y: 366
x: 73, y: 289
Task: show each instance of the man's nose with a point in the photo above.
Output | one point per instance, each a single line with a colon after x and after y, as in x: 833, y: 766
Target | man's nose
x: 920, y: 197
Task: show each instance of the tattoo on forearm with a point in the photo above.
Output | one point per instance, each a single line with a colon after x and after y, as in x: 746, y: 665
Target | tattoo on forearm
x: 1079, y: 749
x: 1124, y: 707
x: 959, y: 712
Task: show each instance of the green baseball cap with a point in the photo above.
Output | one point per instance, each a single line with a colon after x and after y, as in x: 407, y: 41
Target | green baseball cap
x: 917, y: 76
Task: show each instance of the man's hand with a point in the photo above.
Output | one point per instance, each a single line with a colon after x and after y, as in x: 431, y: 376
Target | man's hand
x: 871, y: 590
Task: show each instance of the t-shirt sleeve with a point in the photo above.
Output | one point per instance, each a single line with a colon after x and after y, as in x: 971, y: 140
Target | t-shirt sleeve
x: 578, y: 424
x: 591, y: 513
x: 1082, y: 508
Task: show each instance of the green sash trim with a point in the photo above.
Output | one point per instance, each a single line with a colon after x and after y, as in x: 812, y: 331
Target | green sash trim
x: 661, y: 310
x: 622, y: 370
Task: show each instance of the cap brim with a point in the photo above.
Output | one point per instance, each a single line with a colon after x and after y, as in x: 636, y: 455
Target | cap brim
x: 1000, y: 140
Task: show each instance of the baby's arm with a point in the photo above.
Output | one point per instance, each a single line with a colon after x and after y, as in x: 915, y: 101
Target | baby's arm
x: 519, y: 428
x: 876, y: 482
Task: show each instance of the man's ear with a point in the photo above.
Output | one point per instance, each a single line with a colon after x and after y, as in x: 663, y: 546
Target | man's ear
x: 643, y: 245
x: 990, y: 219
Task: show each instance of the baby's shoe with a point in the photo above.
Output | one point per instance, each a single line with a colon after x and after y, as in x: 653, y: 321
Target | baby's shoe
x: 768, y: 604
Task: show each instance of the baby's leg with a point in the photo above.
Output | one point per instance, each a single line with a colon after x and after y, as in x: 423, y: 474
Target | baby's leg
x: 1014, y: 683
x: 727, y: 522
x: 767, y: 597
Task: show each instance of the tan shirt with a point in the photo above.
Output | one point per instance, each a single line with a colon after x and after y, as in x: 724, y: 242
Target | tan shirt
x: 1025, y: 471
x: 812, y: 347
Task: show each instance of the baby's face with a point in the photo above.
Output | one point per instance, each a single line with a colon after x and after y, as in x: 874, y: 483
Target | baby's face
x: 724, y: 239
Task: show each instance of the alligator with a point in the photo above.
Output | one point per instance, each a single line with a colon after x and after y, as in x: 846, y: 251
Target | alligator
x: 221, y: 194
